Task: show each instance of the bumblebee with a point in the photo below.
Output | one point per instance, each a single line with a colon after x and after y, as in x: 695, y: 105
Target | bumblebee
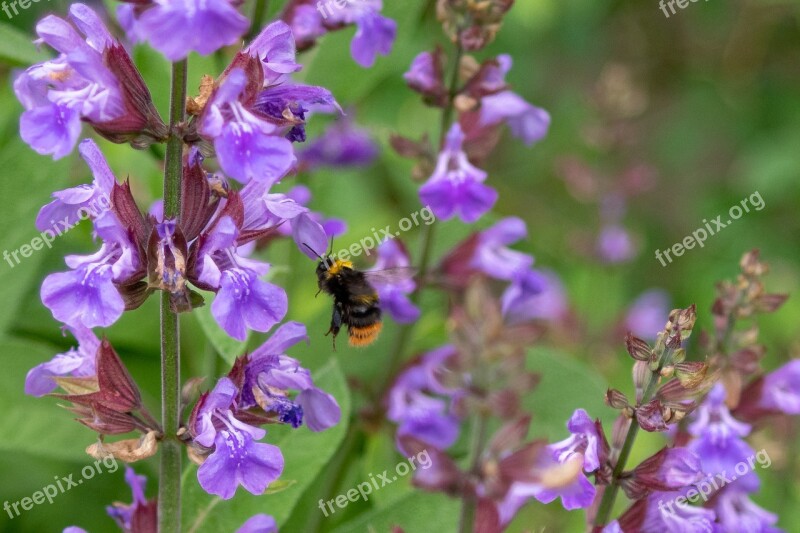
x: 355, y: 301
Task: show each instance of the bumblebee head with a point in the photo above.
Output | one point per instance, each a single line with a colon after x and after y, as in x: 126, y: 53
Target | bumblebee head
x: 331, y: 266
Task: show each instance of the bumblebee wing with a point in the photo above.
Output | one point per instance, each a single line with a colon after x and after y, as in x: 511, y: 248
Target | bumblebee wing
x: 390, y: 275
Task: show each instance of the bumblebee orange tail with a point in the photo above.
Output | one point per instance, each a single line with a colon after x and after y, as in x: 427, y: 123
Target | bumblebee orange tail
x: 364, y: 336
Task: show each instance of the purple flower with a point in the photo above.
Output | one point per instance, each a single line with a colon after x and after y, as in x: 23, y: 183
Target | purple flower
x: 123, y: 514
x: 416, y: 410
x: 256, y: 113
x: 536, y: 295
x: 456, y: 186
x: 492, y: 255
x: 719, y: 440
x: 662, y: 513
x: 70, y: 205
x: 645, y: 316
x: 243, y: 300
x: 781, y: 389
x: 177, y: 27
x: 237, y: 458
x: 737, y: 512
x: 275, y: 47
x: 87, y: 295
x: 425, y: 74
x: 614, y: 245
x: 77, y: 362
x: 375, y: 34
x: 521, y: 300
x: 393, y: 290
x: 342, y: 145
x: 259, y: 523
x: 527, y: 122
x: 669, y: 469
x: 269, y: 370
x: 585, y: 444
x: 247, y: 146
x: 500, y: 105
x: 58, y: 93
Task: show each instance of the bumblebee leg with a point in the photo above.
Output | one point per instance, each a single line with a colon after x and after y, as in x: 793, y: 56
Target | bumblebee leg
x: 336, y: 324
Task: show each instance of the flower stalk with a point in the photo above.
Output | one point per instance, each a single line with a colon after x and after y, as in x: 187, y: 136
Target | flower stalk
x: 169, y: 498
x: 667, y: 348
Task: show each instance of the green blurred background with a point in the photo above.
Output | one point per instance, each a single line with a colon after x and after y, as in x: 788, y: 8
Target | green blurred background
x: 703, y: 107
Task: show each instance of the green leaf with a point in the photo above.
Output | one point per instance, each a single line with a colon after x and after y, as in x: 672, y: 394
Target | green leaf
x: 36, y: 426
x: 28, y: 180
x: 566, y: 384
x: 229, y: 349
x: 381, y: 454
x: 17, y: 48
x: 305, y: 454
x: 417, y: 512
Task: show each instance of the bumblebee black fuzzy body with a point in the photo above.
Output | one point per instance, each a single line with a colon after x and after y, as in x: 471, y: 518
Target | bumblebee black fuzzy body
x: 355, y: 301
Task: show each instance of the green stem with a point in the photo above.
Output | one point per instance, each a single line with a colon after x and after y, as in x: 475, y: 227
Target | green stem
x: 447, y: 116
x: 259, y: 14
x: 169, y: 490
x: 610, y: 492
x: 466, y: 522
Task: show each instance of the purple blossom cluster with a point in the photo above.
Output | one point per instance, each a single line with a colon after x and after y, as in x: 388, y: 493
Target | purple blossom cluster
x: 225, y: 422
x: 237, y: 143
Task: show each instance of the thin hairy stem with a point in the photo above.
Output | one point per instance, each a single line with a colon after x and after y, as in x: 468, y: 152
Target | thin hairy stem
x: 169, y: 490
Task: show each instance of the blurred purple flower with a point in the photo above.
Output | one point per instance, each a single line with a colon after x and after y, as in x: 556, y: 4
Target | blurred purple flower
x: 719, y: 439
x: 526, y: 122
x: 781, y: 389
x: 374, y: 35
x: 500, y: 105
x: 456, y: 186
x: 540, y: 297
x: 123, y: 514
x: 424, y: 76
x: 669, y: 469
x: 415, y: 409
x: 521, y: 299
x: 737, y: 512
x: 492, y: 255
x: 662, y: 513
x: 177, y: 27
x: 646, y: 314
x: 584, y: 443
x: 394, y: 290
x: 77, y: 362
x: 259, y: 523
x: 614, y: 245
x: 342, y: 145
